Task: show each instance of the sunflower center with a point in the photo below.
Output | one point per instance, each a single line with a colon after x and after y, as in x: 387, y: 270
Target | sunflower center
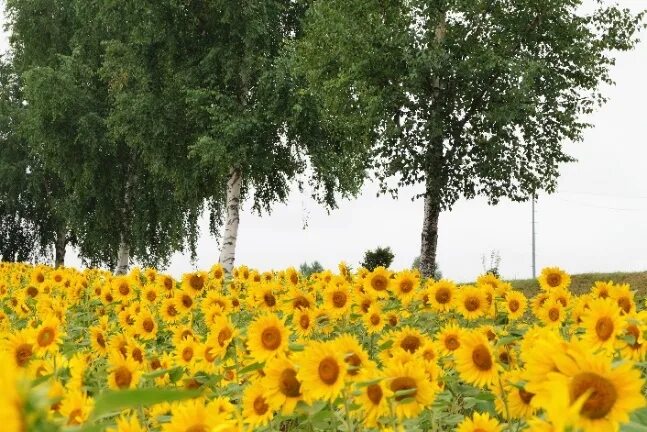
x: 197, y: 428
x: 563, y: 301
x: 354, y: 362
x: 45, y: 336
x: 304, y: 321
x: 223, y: 335
x: 633, y: 330
x: 100, y: 340
x: 554, y: 280
x: 625, y: 304
x: 602, y: 398
x: 378, y: 283
x: 294, y: 278
x: 171, y: 311
x: 604, y: 328
x: 374, y: 393
x: 196, y: 282
x: 155, y: 364
x: 124, y: 289
x: 269, y: 299
x: 32, y: 291
x: 410, y: 343
x: 366, y: 304
x: 40, y: 278
x: 260, y: 406
x: 339, y: 299
x: 393, y: 320
x: 23, y: 354
x: 375, y: 319
x: 137, y: 355
x: 443, y: 295
x: 123, y: 377
x: 406, y: 286
x: 525, y: 396
x: 452, y: 343
x: 109, y: 298
x: 328, y: 370
x: 148, y: 325
x: 288, y: 383
x: 404, y: 383
x: 168, y: 283
x: 187, y: 301
x: 301, y: 302
x: 217, y: 274
x: 472, y: 304
x: 553, y: 314
x: 504, y: 357
x: 513, y: 305
x: 482, y: 358
x: 187, y: 354
x: 151, y: 296
x: 271, y: 338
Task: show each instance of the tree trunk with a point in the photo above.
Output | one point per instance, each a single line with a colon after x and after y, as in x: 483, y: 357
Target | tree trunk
x: 230, y: 237
x: 59, y: 247
x: 429, y: 238
x: 123, y: 257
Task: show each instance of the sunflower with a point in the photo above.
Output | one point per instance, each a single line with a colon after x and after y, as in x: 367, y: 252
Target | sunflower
x: 194, y: 283
x: 217, y: 272
x: 299, y: 299
x: 489, y: 279
x: 76, y: 407
x: 374, y: 320
x: 127, y: 424
x: 170, y: 310
x: 280, y: 384
x: 515, y: 304
x: 409, y: 339
x: 20, y: 345
x: 513, y: 401
x: 552, y: 314
x: 603, y: 323
x: 11, y: 403
x: 354, y: 355
x: 378, y: 282
x: 624, y: 297
x: 471, y: 302
x: 603, y: 393
x: 193, y: 416
x: 337, y: 300
x: 185, y: 300
x: 151, y: 293
x: 475, y: 361
x: 634, y: 346
x: 122, y: 289
x: 48, y: 336
x: 449, y: 338
x: 267, y: 337
x: 322, y: 371
x: 123, y: 373
x: 303, y: 322
x: 441, y: 295
x: 372, y: 398
x: 145, y: 325
x: 257, y: 410
x: 223, y: 331
x: 412, y: 390
x: 265, y: 297
x: 186, y: 352
x: 363, y: 301
x: 479, y: 422
x: 405, y: 285
x: 602, y: 289
x: 553, y: 277
x: 561, y: 295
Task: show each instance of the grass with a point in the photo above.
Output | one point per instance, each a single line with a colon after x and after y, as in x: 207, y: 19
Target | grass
x: 582, y: 283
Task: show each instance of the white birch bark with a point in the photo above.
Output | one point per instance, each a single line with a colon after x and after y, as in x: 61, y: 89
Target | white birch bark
x: 230, y: 237
x: 123, y: 254
x: 123, y: 257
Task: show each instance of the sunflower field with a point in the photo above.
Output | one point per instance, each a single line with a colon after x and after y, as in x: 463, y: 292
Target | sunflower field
x: 344, y: 351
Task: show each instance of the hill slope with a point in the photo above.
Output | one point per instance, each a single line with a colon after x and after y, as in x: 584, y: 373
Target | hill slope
x: 582, y: 283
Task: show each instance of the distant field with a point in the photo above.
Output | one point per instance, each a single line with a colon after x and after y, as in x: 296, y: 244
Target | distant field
x: 582, y: 283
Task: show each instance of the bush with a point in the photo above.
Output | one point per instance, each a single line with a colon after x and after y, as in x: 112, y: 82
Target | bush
x: 416, y: 266
x: 308, y: 269
x: 378, y: 257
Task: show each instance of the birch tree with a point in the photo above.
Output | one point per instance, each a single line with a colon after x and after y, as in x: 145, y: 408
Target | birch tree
x: 467, y: 98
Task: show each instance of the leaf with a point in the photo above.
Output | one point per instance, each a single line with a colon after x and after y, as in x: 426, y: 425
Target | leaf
x: 114, y: 401
x: 633, y: 427
x: 161, y: 372
x: 252, y: 367
x: 38, y: 381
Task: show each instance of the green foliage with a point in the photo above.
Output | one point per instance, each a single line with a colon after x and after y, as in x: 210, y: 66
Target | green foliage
x: 311, y: 268
x: 492, y: 263
x: 416, y: 266
x: 380, y: 256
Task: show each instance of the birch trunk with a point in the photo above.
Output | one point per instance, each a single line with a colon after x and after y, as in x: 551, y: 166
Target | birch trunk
x: 429, y: 237
x: 123, y: 257
x: 59, y: 247
x: 230, y: 237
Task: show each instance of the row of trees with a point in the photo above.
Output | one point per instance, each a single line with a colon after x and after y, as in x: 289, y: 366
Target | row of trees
x: 122, y: 122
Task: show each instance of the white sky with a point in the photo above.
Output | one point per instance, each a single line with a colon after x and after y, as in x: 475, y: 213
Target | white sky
x: 596, y: 222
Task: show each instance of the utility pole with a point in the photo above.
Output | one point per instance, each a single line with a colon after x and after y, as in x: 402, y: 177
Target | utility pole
x: 534, y: 268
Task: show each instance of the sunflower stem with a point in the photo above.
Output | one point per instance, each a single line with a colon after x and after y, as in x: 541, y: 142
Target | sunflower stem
x: 505, y: 399
x: 349, y: 421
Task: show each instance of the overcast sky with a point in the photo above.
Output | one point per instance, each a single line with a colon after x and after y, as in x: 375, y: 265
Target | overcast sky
x: 597, y: 222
